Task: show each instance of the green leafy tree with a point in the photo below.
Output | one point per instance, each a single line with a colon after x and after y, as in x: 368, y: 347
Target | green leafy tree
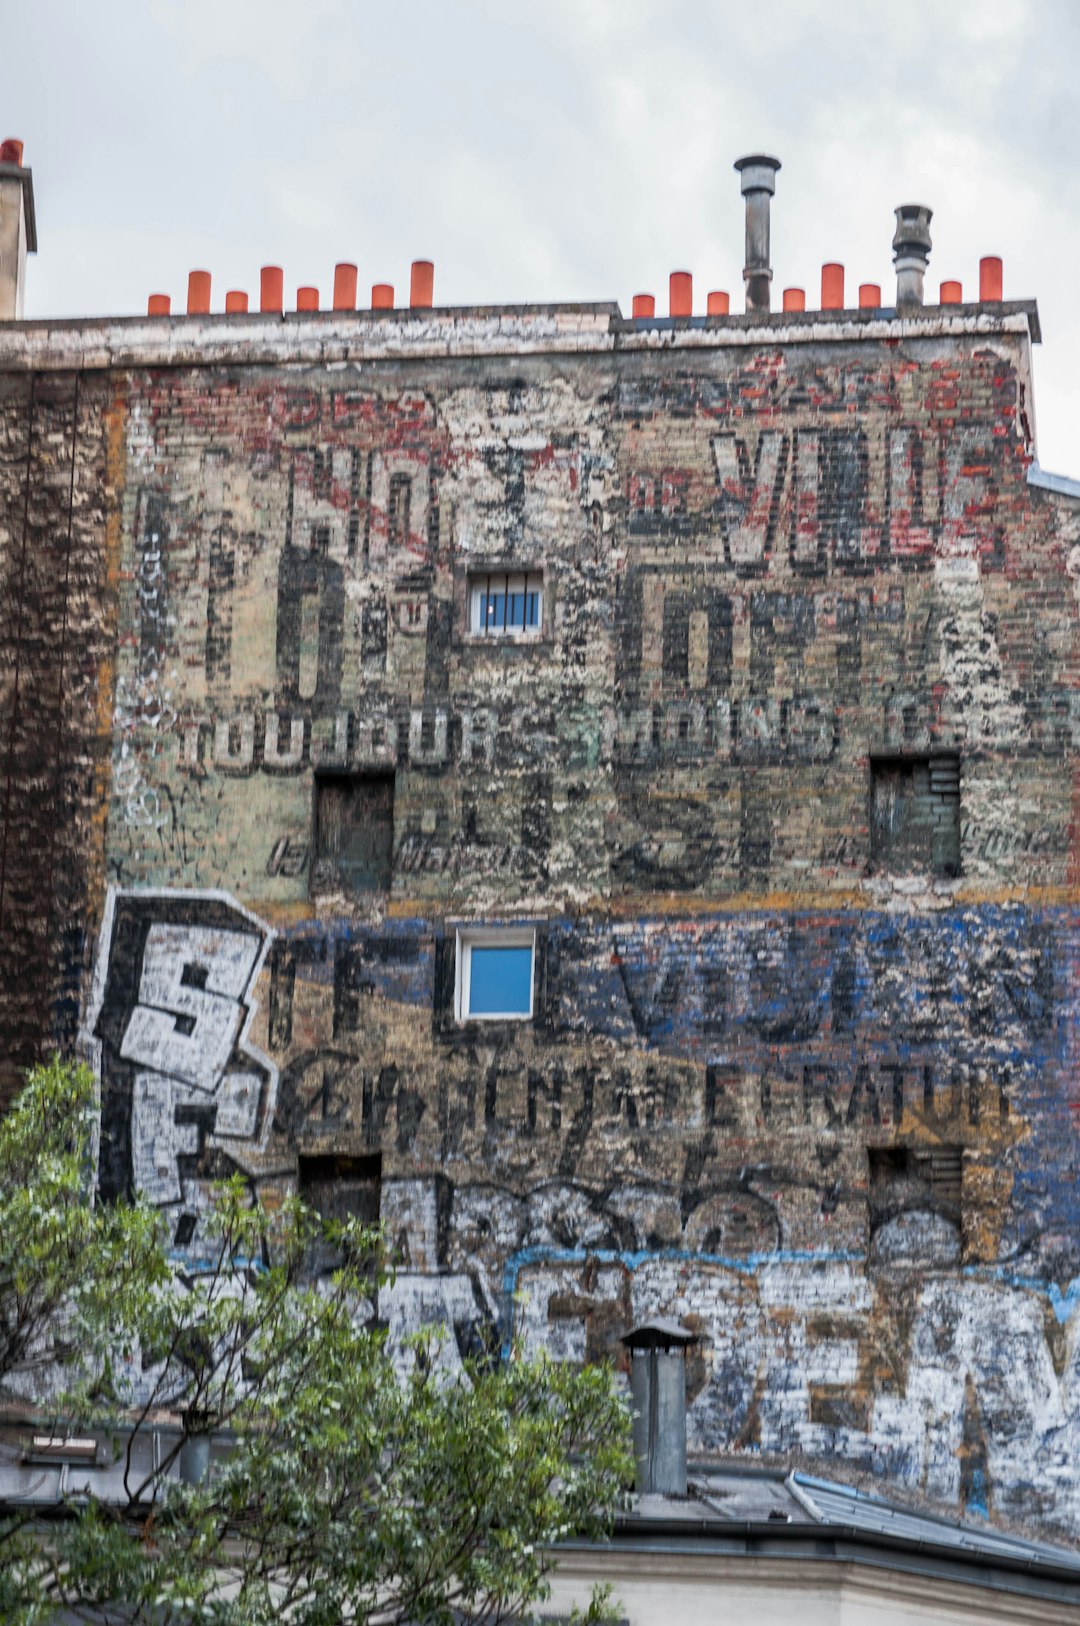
x: 347, y: 1490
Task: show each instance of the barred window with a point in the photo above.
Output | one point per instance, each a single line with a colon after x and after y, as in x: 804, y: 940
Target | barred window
x: 505, y: 603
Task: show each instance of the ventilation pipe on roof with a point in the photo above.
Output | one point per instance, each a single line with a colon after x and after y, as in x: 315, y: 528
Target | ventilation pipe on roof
x: 911, y: 252
x: 758, y: 173
x: 658, y: 1394
x: 193, y: 1460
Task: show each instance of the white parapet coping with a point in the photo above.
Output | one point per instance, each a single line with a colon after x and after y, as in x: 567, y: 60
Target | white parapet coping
x: 329, y: 338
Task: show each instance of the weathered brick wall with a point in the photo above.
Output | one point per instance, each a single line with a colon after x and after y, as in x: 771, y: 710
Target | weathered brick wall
x: 57, y: 645
x: 765, y: 568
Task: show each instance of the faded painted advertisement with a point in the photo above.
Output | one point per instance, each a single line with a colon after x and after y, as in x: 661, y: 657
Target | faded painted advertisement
x: 780, y: 788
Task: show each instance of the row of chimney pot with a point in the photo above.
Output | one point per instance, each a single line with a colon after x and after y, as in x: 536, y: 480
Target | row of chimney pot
x: 681, y: 293
x: 758, y: 175
x: 272, y: 292
x: 421, y: 293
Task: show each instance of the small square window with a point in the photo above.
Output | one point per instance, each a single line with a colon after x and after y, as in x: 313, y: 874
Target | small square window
x: 354, y: 832
x: 495, y: 975
x: 915, y: 815
x: 506, y: 604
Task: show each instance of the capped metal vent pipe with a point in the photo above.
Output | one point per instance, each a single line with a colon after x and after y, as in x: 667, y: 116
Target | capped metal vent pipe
x: 658, y: 1394
x: 193, y: 1462
x: 911, y: 251
x: 758, y: 172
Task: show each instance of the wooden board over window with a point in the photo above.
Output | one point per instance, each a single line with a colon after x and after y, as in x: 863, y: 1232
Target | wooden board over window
x: 339, y: 1187
x: 915, y: 815
x: 354, y: 832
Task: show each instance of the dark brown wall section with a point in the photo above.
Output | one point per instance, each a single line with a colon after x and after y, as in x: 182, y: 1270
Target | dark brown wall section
x: 53, y: 640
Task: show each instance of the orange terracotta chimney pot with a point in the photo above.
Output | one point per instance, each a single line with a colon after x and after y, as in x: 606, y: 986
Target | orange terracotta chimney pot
x: 344, y: 286
x: 422, y: 285
x: 11, y: 151
x: 718, y: 304
x: 952, y: 293
x: 680, y: 294
x: 271, y: 288
x: 382, y: 296
x: 832, y: 287
x: 158, y: 305
x: 236, y: 301
x: 198, y: 293
x: 307, y: 299
x: 869, y: 296
x: 644, y: 307
x: 794, y: 299
x: 990, y: 283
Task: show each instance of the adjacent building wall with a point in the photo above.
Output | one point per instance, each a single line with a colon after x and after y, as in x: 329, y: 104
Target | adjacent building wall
x: 654, y: 1585
x: 776, y: 562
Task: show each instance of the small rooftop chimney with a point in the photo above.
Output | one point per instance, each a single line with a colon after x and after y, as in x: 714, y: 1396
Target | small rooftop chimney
x: 18, y: 228
x: 911, y: 251
x: 758, y: 173
x: 658, y: 1392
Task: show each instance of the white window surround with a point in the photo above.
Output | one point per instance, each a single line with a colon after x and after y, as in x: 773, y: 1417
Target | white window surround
x: 506, y: 603
x: 490, y: 937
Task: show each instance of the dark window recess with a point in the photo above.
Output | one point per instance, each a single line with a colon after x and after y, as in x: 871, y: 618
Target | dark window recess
x: 339, y: 1188
x: 915, y: 1206
x: 915, y: 815
x: 354, y: 832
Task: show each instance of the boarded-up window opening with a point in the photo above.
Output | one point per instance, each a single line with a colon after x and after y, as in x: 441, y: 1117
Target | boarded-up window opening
x: 915, y: 815
x: 339, y: 1187
x: 903, y: 1180
x: 354, y: 832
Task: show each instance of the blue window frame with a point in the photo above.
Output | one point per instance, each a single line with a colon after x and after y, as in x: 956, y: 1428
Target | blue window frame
x: 495, y: 974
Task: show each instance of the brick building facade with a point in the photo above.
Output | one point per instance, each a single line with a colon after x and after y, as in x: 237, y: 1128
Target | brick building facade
x: 602, y: 795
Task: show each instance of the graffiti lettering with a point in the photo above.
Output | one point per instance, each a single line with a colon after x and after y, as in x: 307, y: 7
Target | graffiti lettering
x: 168, y: 1028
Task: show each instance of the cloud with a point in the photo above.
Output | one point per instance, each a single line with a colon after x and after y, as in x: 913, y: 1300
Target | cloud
x: 564, y: 149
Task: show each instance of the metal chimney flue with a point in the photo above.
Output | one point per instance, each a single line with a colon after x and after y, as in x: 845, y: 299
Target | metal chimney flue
x: 911, y: 252
x: 658, y: 1393
x: 758, y: 172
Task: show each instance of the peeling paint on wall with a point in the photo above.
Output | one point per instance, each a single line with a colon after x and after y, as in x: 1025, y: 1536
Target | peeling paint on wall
x: 763, y: 566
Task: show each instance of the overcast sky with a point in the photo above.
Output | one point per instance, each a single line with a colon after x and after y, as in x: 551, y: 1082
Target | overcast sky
x: 547, y: 150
